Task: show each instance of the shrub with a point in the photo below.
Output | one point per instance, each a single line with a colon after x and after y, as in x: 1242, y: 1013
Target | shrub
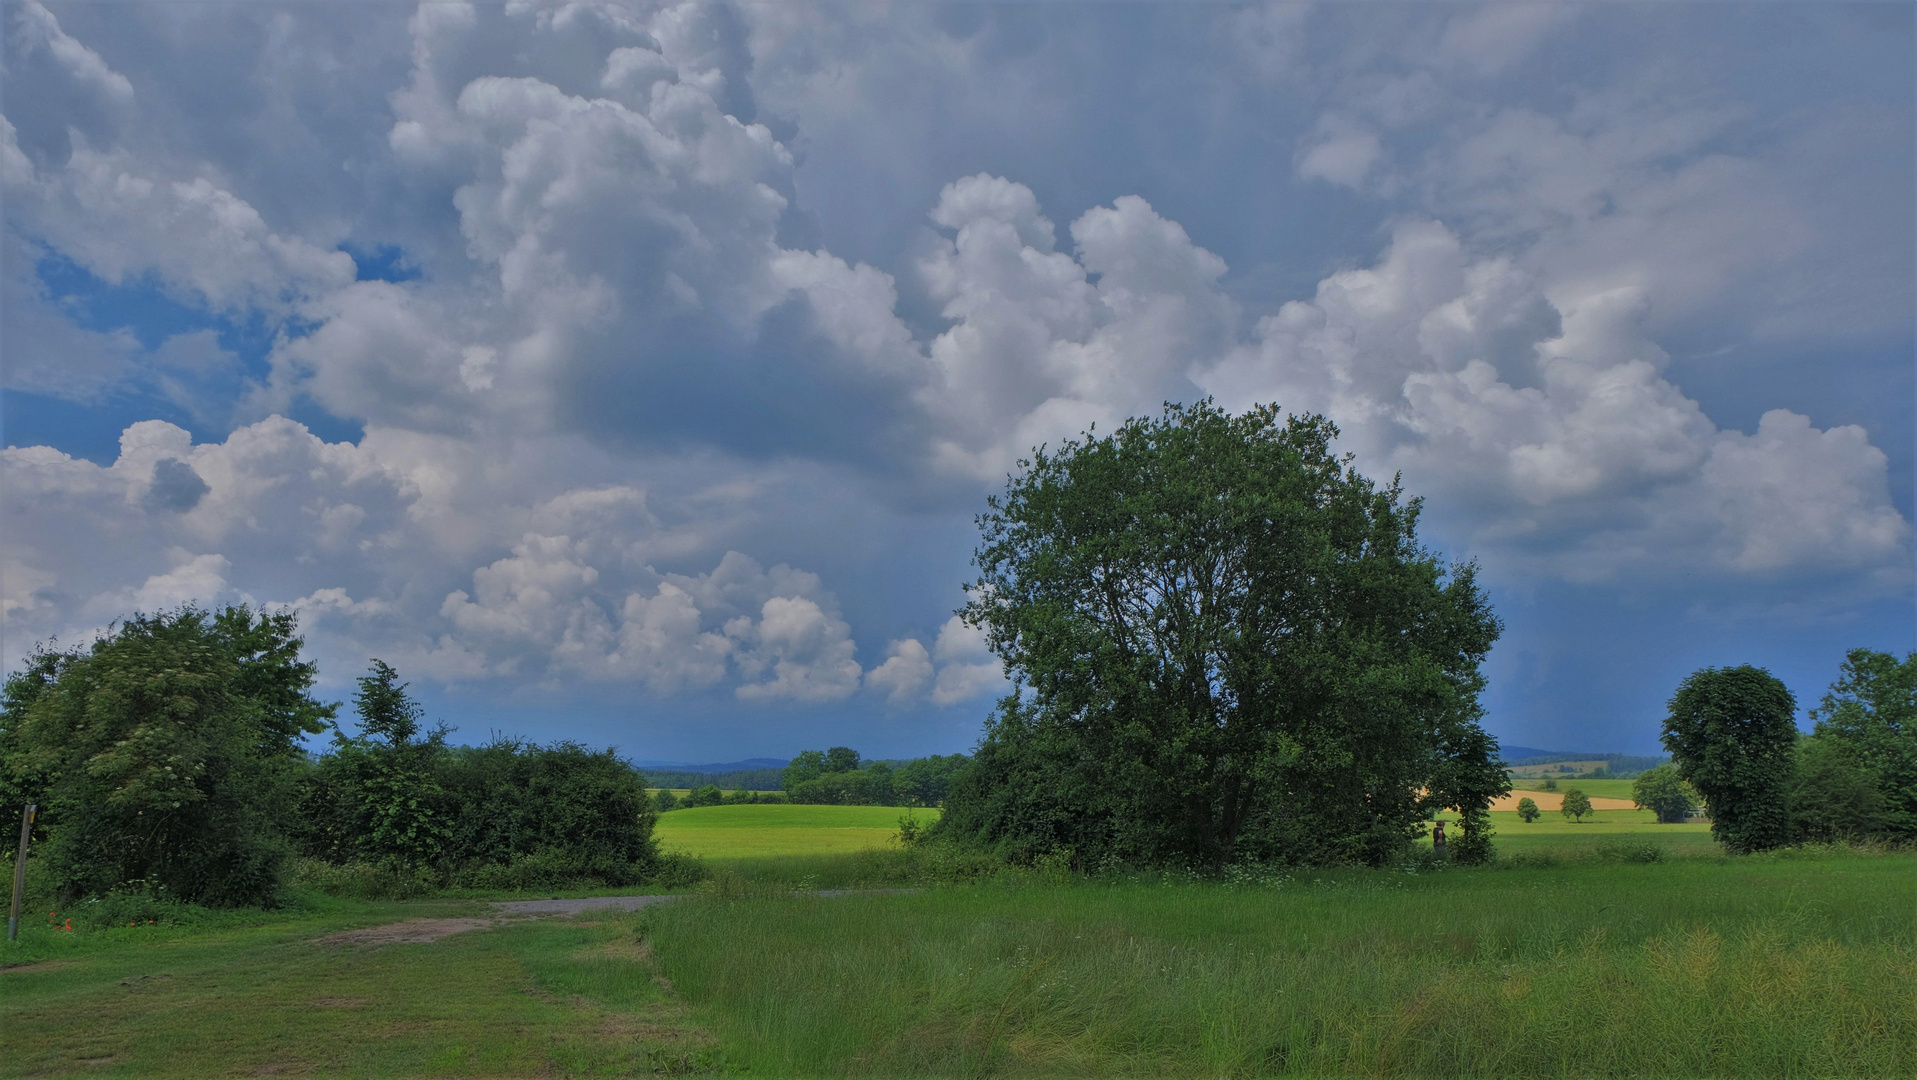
x: 364, y: 880
x: 1622, y: 850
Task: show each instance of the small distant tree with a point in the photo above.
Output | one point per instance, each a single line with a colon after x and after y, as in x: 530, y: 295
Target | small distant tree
x: 1732, y: 733
x: 1576, y: 804
x: 841, y: 759
x: 807, y: 765
x: 1550, y: 785
x: 1664, y: 792
x: 1528, y: 809
x: 665, y: 800
x: 704, y: 795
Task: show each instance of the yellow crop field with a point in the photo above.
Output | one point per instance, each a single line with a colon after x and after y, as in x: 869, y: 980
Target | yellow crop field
x: 746, y: 832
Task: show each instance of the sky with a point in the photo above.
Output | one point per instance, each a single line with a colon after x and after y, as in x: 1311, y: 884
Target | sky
x: 633, y: 373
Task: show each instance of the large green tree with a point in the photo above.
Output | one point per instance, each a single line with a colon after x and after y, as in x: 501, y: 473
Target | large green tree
x: 1225, y: 642
x: 164, y: 754
x: 1732, y: 734
x: 1869, y: 716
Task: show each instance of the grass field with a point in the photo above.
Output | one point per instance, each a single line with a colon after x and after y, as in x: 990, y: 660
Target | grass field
x: 1710, y: 967
x: 1562, y: 961
x: 1597, y: 789
x: 721, y: 833
x: 260, y: 996
x: 1556, y: 835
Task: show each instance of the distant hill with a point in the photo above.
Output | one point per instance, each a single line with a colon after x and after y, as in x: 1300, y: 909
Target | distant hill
x: 752, y: 774
x: 1621, y: 765
x: 1516, y: 755
x: 723, y: 766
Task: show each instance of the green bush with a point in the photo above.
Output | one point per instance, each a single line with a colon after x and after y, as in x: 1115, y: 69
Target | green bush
x: 135, y: 903
x: 1624, y: 850
x: 166, y: 753
x: 364, y: 880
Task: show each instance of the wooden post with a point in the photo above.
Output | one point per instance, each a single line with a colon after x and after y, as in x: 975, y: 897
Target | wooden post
x: 20, y: 872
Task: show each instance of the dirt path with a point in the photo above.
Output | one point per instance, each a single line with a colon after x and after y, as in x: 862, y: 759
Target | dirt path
x: 416, y: 931
x: 581, y: 904
x: 410, y: 932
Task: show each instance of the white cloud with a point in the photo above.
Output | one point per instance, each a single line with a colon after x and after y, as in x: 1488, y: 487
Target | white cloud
x: 967, y: 667
x: 36, y: 28
x: 1038, y: 349
x: 1554, y: 444
x: 959, y: 667
x: 904, y: 674
x: 1339, y: 151
x: 107, y: 212
x: 629, y: 351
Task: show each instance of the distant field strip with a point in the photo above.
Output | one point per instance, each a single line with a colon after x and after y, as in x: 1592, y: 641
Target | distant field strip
x: 746, y: 832
x: 1554, y: 800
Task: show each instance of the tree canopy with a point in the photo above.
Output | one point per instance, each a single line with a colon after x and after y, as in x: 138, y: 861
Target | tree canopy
x: 1224, y: 642
x: 1732, y: 734
x: 1869, y: 719
x: 165, y: 753
x: 1663, y: 792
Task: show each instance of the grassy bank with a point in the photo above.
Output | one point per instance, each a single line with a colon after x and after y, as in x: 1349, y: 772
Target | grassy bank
x: 1776, y: 966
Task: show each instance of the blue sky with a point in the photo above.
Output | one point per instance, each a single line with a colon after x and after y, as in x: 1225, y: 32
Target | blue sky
x: 632, y: 372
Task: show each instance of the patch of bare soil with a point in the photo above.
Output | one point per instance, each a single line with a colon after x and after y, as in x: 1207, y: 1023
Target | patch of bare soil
x: 410, y: 932
x: 24, y: 968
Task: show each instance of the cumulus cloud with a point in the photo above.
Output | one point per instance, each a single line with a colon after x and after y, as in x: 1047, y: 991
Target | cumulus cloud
x: 958, y: 667
x: 1552, y: 439
x: 1044, y: 344
x: 629, y: 359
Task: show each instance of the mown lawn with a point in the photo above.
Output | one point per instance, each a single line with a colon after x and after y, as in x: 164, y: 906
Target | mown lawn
x: 722, y: 833
x: 262, y: 996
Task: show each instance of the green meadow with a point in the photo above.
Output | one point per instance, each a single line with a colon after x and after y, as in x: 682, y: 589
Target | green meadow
x: 1570, y: 957
x: 1555, y: 836
x: 1781, y: 966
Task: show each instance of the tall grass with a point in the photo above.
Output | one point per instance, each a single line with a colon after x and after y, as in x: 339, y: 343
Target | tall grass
x: 1784, y: 966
